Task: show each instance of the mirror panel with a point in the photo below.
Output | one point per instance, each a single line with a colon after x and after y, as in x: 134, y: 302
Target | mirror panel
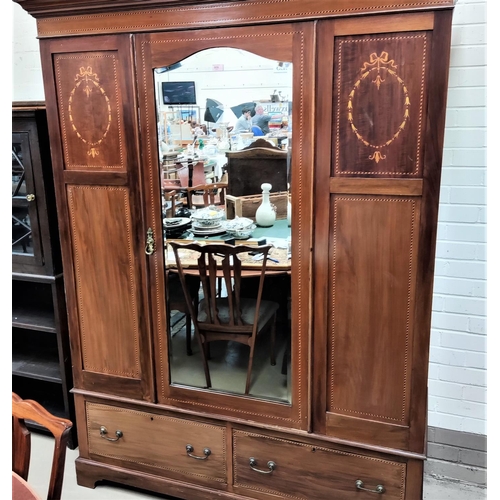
x: 209, y: 108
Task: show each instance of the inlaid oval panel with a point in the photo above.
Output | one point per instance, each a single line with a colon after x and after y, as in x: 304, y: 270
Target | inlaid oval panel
x: 379, y: 104
x: 90, y: 104
x: 89, y: 98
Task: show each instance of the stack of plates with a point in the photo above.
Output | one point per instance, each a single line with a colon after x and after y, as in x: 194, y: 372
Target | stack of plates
x: 175, y: 226
x: 201, y: 230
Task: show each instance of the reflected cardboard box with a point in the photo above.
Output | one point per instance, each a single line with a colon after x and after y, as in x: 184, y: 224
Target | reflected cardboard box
x: 246, y: 206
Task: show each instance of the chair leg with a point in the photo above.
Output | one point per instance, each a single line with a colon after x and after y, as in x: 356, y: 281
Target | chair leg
x: 249, y: 370
x: 204, y: 357
x: 188, y: 322
x: 169, y: 332
x: 206, y: 345
x: 273, y: 341
x: 189, y: 351
x: 284, y: 363
x: 286, y: 355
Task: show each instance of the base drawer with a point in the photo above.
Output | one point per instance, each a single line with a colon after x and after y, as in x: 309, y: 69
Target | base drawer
x: 145, y: 440
x: 302, y: 471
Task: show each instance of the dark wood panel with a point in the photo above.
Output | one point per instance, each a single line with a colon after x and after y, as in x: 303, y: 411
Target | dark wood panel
x: 366, y: 431
x: 388, y: 23
x: 167, y: 48
x: 96, y: 178
x: 371, y: 306
x: 106, y: 280
x: 403, y: 187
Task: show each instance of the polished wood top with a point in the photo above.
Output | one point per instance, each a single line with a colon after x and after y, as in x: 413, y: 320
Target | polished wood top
x: 90, y: 17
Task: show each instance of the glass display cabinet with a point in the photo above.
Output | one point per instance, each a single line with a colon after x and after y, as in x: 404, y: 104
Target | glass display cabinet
x: 41, y: 360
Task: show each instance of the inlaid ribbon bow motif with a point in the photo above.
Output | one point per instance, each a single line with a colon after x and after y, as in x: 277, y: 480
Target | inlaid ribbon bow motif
x: 381, y: 66
x: 88, y: 81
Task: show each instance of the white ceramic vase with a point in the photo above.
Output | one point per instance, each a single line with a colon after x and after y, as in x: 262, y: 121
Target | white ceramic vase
x: 265, y: 216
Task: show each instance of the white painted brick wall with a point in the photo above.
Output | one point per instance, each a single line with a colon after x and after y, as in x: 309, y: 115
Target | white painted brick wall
x: 457, y: 375
x: 457, y: 371
x: 26, y: 64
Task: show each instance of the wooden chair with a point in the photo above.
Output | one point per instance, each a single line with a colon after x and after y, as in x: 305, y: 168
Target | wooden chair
x: 204, y: 195
x: 233, y: 318
x: 21, y: 441
x: 173, y: 201
x: 191, y: 174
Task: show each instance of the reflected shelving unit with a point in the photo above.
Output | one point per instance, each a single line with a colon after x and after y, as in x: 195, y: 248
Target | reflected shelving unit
x: 41, y: 361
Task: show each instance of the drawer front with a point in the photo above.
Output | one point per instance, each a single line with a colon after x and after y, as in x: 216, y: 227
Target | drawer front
x: 310, y: 472
x: 156, y: 441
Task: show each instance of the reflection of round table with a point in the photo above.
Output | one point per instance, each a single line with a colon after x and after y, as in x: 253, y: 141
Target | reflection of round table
x: 21, y: 490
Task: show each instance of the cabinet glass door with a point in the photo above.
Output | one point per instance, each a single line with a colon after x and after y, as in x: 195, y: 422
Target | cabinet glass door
x: 26, y: 245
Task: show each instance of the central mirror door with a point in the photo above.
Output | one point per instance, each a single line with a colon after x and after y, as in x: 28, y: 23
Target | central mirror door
x: 224, y: 129
x: 221, y: 113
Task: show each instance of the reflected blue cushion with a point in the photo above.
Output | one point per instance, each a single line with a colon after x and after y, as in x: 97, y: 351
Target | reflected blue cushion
x: 257, y: 131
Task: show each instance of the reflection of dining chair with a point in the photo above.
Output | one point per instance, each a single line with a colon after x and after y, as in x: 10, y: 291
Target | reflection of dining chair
x: 176, y: 301
x: 173, y: 201
x: 191, y: 174
x: 205, y: 195
x: 23, y: 410
x: 233, y: 318
x: 188, y: 174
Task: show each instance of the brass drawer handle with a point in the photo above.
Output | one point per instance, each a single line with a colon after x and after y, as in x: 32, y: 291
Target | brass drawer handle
x: 361, y: 486
x: 190, y: 449
x: 270, y: 464
x: 103, y: 431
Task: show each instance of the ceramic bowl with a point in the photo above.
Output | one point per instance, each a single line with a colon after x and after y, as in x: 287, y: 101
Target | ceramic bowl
x: 241, y: 234
x: 239, y: 227
x: 208, y: 216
